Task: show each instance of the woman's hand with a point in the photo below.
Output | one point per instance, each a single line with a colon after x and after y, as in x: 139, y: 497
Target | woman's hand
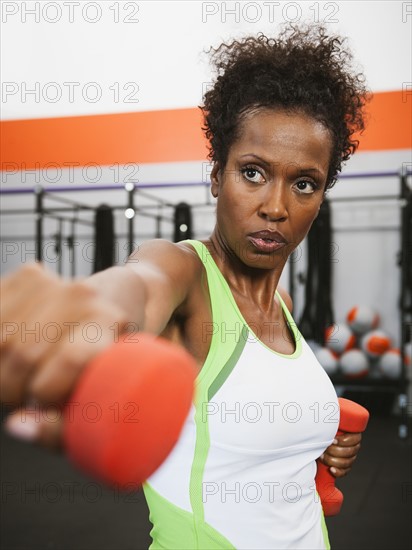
x: 341, y: 455
x: 50, y: 330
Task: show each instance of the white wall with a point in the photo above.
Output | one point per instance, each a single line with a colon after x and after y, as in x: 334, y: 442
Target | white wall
x: 160, y: 48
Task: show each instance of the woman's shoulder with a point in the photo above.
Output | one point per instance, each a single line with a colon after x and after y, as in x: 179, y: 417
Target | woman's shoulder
x: 286, y: 298
x: 179, y: 260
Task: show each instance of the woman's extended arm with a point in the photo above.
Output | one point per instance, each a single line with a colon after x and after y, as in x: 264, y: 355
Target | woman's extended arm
x: 155, y: 281
x: 52, y: 328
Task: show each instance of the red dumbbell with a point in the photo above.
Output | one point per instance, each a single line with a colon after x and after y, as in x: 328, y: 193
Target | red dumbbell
x: 353, y: 419
x: 128, y: 409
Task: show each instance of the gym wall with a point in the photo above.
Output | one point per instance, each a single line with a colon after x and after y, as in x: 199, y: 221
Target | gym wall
x: 104, y: 93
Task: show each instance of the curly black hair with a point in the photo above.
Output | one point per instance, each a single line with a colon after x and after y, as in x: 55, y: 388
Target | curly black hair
x: 303, y: 70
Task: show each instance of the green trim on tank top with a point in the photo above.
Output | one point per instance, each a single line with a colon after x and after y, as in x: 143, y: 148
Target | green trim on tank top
x: 324, y: 529
x: 218, y: 357
x: 229, y: 366
x: 204, y: 256
x: 173, y: 527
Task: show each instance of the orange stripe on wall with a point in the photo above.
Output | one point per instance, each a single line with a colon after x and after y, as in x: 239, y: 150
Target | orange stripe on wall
x: 161, y: 136
x: 389, y: 122
x: 143, y: 137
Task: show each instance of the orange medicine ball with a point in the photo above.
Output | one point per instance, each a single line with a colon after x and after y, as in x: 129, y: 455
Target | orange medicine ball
x: 375, y: 343
x: 354, y: 363
x: 362, y: 319
x: 339, y: 338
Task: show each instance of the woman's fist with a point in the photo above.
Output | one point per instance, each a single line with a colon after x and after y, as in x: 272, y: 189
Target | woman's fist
x: 50, y: 329
x: 341, y: 455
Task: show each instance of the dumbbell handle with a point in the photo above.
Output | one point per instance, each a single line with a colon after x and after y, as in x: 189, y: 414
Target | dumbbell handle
x: 353, y: 419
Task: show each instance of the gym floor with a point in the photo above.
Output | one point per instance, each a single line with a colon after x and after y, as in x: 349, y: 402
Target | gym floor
x: 46, y: 504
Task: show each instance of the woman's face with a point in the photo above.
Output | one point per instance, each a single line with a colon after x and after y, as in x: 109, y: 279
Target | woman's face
x: 272, y: 186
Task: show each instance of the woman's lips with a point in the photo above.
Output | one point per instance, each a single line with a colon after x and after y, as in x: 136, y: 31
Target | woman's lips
x: 265, y: 246
x: 267, y: 241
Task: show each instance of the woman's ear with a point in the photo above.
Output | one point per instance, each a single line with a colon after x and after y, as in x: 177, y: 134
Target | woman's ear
x: 215, y: 179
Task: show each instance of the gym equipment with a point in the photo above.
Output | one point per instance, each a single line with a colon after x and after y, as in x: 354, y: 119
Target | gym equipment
x: 318, y: 310
x: 328, y: 359
x: 127, y: 411
x: 390, y: 363
x: 339, y: 338
x: 104, y: 238
x: 362, y: 319
x: 375, y: 343
x: 182, y: 222
x: 353, y: 419
x: 354, y: 363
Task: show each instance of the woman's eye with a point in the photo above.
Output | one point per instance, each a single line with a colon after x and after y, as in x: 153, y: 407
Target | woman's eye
x: 252, y: 174
x: 306, y: 186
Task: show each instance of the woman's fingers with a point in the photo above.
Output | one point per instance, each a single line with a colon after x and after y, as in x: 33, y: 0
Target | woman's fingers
x: 61, y: 367
x: 51, y: 329
x: 17, y: 292
x: 36, y: 328
x: 341, y: 455
x: 37, y: 424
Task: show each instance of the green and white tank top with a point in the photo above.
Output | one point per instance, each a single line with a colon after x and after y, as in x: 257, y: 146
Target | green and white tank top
x: 242, y: 474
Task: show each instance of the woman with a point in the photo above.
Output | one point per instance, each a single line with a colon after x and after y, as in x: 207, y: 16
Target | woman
x: 280, y: 120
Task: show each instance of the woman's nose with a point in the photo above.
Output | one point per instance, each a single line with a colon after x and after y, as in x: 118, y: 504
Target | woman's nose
x: 274, y: 203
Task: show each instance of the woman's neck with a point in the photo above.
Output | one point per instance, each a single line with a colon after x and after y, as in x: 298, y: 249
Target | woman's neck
x: 256, y: 284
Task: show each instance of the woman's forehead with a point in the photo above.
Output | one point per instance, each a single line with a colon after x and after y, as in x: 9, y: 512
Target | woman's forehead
x: 277, y: 133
